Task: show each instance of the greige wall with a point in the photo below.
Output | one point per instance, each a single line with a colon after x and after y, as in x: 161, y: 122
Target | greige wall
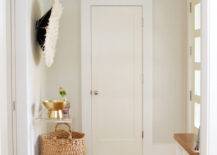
x: 36, y: 76
x: 66, y: 69
x: 43, y: 82
x: 169, y: 69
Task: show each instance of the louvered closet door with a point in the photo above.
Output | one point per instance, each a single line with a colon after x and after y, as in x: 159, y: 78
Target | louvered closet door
x: 116, y: 80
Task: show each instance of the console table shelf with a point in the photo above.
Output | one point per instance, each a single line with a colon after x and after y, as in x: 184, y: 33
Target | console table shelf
x: 47, y: 120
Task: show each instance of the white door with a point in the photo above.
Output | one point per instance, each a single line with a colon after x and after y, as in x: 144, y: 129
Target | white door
x: 116, y: 80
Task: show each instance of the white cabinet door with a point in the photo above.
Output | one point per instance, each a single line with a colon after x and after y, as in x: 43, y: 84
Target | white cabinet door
x: 116, y: 80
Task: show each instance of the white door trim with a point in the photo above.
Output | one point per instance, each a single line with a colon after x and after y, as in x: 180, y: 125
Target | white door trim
x: 6, y: 111
x: 205, y: 82
x: 209, y: 107
x: 86, y: 67
x: 21, y: 33
x: 4, y: 147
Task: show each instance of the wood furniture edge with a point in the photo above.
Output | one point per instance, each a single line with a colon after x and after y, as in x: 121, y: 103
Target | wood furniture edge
x: 179, y: 137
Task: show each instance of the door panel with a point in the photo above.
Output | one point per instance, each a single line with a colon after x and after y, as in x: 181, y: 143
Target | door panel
x: 117, y: 80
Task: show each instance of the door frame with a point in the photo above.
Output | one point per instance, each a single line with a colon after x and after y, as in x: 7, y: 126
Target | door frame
x: 7, y: 143
x: 19, y: 75
x: 4, y: 148
x: 137, y: 12
x: 209, y: 77
x: 205, y: 104
x: 86, y: 65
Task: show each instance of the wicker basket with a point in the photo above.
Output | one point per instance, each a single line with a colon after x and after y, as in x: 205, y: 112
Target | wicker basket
x: 62, y: 142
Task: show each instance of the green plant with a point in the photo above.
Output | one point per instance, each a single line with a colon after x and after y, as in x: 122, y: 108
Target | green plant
x: 62, y: 92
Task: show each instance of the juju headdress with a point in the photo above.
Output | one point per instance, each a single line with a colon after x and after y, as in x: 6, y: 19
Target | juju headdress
x: 47, y: 29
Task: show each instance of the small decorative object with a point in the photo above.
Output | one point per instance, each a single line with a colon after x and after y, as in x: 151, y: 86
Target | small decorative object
x: 47, y: 28
x: 58, y: 109
x: 63, y: 94
x: 62, y: 142
x: 55, y: 108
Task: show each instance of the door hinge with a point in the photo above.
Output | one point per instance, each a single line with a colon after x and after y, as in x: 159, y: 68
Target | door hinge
x: 142, y: 76
x: 190, y: 7
x: 13, y: 105
x: 190, y: 50
x: 142, y: 22
x: 190, y: 95
x: 142, y: 134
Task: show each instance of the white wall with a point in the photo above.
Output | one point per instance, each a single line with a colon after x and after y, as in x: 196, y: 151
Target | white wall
x: 43, y: 82
x: 210, y: 74
x: 66, y: 70
x: 169, y: 68
x: 36, y: 71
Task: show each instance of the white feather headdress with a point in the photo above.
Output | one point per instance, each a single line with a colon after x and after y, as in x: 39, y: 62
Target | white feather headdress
x: 52, y: 33
x: 47, y: 28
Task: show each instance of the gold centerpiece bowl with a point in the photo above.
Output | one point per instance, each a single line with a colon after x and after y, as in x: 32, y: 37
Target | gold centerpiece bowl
x: 55, y: 108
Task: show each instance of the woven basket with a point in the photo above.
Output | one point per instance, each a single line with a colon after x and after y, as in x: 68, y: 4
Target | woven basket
x: 62, y: 142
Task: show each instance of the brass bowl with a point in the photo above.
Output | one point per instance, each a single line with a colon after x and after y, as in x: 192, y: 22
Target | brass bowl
x: 54, y: 104
x: 55, y: 108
